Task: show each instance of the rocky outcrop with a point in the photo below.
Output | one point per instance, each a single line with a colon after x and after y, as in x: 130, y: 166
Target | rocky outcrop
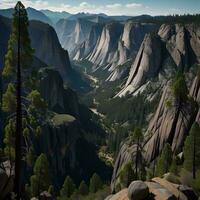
x: 69, y: 137
x: 157, y: 188
x: 44, y: 37
x: 117, y: 44
x: 168, y: 125
x: 72, y: 33
x: 122, y: 195
x: 146, y: 65
x: 82, y: 50
x: 56, y: 96
x: 104, y: 50
x: 178, y: 48
x: 138, y: 190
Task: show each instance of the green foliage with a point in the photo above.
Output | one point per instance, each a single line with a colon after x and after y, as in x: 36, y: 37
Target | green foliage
x: 83, y: 188
x: 37, y: 101
x: 137, y: 135
x: 29, y: 156
x: 95, y: 183
x: 40, y: 181
x: 68, y: 188
x: 164, y: 161
x: 9, y: 140
x: 174, y: 168
x: 9, y: 99
x: 191, y: 150
x: 126, y: 175
x: 51, y: 190
x: 196, y: 182
x: 179, y: 87
x: 26, y: 50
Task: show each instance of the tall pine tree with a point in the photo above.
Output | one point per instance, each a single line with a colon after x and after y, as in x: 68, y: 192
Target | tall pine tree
x: 191, y: 150
x: 17, y: 61
x: 164, y: 161
x: 41, y: 180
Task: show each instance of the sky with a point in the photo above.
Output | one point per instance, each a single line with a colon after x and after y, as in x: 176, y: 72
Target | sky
x: 113, y: 7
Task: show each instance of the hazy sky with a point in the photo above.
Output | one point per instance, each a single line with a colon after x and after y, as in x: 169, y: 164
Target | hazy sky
x: 113, y: 7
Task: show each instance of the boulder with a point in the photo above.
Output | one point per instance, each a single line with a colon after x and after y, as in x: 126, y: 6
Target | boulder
x: 138, y: 190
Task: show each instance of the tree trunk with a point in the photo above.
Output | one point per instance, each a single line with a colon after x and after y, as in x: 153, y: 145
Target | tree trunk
x: 136, y: 160
x: 194, y: 158
x: 17, y: 180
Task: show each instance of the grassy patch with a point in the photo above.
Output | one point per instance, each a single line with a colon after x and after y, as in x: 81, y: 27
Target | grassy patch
x: 60, y: 119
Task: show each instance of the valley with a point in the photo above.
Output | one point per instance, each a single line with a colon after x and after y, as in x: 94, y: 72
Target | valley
x: 109, y: 106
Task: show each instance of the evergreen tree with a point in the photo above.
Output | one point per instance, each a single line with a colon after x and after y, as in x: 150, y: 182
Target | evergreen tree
x: 196, y: 182
x: 174, y: 167
x: 18, y: 57
x: 137, y: 137
x: 9, y: 99
x: 165, y: 160
x: 179, y: 88
x: 40, y: 181
x: 95, y: 183
x: 191, y: 150
x: 83, y: 188
x: 9, y: 141
x: 127, y: 175
x: 68, y: 188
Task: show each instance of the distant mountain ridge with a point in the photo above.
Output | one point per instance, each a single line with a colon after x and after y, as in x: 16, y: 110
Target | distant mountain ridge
x: 33, y: 14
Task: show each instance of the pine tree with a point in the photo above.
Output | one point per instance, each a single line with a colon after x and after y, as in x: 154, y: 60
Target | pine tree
x: 165, y: 160
x: 191, y: 150
x: 9, y: 141
x: 95, y: 183
x: 137, y: 137
x: 174, y: 167
x: 127, y: 175
x: 196, y: 181
x: 68, y: 188
x: 9, y: 99
x: 18, y: 57
x: 40, y: 181
x: 83, y: 188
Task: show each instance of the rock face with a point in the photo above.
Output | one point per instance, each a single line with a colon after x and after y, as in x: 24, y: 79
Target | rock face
x: 44, y: 37
x: 168, y: 125
x: 52, y: 91
x: 157, y: 188
x: 104, y: 51
x: 117, y: 44
x: 138, y: 190
x: 82, y: 50
x: 122, y: 195
x: 69, y: 149
x: 146, y: 65
x: 176, y: 47
x: 73, y: 32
